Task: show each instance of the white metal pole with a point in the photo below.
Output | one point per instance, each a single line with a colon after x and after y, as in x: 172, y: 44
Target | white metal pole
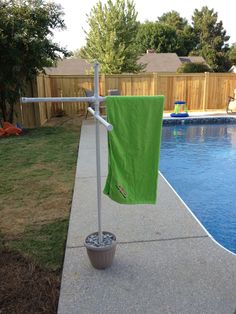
x: 71, y: 99
x: 107, y: 125
x: 94, y: 99
x: 98, y: 161
x: 60, y: 99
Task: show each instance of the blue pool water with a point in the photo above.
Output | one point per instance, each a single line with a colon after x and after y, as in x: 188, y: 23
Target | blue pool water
x: 199, y: 161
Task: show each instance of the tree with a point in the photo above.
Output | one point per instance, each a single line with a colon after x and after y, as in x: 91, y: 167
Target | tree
x: 232, y: 54
x: 170, y: 33
x: 152, y: 35
x: 193, y: 67
x: 26, y: 46
x: 174, y: 19
x: 111, y: 37
x: 76, y: 53
x: 212, y: 38
x: 185, y: 40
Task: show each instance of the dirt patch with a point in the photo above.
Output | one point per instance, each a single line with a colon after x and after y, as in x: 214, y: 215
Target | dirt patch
x: 35, y: 211
x: 70, y: 120
x: 25, y: 287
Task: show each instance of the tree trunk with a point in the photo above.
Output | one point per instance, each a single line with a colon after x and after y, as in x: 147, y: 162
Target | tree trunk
x: 10, y: 114
x: 6, y: 109
x: 3, y: 106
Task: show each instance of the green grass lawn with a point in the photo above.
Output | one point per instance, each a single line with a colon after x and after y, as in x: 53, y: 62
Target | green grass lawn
x: 36, y: 185
x: 46, y: 244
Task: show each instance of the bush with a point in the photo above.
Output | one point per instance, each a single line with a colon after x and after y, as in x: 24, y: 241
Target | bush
x: 194, y: 67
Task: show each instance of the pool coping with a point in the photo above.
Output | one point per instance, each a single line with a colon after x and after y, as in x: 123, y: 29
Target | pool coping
x: 204, y: 119
x: 165, y: 261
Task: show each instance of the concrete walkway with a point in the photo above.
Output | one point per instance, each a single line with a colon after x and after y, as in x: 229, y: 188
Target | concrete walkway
x: 164, y: 263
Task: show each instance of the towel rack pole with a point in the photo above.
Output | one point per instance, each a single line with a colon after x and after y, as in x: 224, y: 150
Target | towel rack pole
x: 98, y: 160
x: 107, y: 125
x: 96, y: 99
x: 60, y: 99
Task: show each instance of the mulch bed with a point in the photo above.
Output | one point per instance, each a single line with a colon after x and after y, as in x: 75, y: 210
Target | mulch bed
x: 25, y: 287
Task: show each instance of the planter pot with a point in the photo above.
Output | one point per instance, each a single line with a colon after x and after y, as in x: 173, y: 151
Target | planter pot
x: 101, y: 255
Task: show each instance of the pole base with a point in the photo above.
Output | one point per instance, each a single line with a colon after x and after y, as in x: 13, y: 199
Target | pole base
x: 101, y: 255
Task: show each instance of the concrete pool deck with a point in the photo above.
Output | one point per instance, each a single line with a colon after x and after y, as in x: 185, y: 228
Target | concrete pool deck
x: 165, y: 262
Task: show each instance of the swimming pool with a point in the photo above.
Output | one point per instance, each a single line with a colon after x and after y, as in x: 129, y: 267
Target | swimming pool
x: 199, y: 161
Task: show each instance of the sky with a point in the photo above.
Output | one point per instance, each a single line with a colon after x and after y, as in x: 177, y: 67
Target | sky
x: 76, y: 19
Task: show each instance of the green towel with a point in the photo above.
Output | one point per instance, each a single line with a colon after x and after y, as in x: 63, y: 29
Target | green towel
x: 133, y: 148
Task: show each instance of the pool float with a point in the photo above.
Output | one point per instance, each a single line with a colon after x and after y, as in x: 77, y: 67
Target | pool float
x: 179, y: 115
x: 178, y: 106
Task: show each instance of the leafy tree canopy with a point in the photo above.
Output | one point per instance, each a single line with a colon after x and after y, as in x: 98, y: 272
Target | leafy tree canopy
x: 26, y: 45
x: 184, y: 32
x: 174, y: 19
x: 152, y: 35
x: 170, y: 33
x: 111, y: 37
x: 232, y: 54
x: 76, y: 53
x: 212, y: 38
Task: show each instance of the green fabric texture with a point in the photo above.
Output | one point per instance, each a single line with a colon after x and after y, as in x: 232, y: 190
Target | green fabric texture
x: 133, y: 148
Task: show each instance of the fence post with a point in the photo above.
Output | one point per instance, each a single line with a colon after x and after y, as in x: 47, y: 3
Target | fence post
x: 205, y: 91
x: 103, y: 84
x: 155, y: 85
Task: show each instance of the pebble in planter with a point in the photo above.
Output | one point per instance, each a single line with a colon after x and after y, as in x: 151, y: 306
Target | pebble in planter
x: 101, y: 254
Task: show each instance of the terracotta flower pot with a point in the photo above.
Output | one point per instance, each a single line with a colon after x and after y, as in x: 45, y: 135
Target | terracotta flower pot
x: 101, y: 256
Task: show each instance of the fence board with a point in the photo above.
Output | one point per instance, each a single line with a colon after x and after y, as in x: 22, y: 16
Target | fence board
x: 201, y: 91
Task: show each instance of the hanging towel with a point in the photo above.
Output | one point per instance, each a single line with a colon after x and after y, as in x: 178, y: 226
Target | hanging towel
x: 133, y: 148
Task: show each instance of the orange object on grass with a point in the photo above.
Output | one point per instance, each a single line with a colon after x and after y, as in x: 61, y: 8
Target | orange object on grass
x: 13, y: 131
x: 9, y: 129
x: 2, y: 132
x: 6, y: 125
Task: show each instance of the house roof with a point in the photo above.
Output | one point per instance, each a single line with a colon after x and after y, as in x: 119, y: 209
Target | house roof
x: 160, y: 62
x: 72, y: 66
x: 155, y: 62
x: 192, y: 59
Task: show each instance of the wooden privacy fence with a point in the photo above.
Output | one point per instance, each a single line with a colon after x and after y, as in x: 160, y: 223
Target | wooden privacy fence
x: 201, y: 91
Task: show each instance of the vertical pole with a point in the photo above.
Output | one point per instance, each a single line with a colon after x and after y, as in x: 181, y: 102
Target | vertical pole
x: 96, y: 94
x: 154, y: 83
x: 205, y: 91
x: 62, y: 104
